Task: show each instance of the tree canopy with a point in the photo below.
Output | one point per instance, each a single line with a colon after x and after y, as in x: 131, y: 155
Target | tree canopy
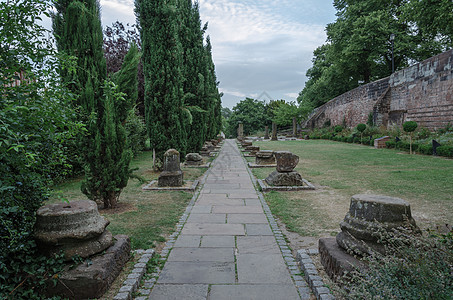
x: 359, y: 49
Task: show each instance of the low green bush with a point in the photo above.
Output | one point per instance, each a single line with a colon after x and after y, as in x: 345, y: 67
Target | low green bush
x: 425, y: 149
x: 402, y: 145
x: 414, y: 267
x: 390, y: 144
x: 446, y: 151
x: 356, y: 140
x: 338, y: 128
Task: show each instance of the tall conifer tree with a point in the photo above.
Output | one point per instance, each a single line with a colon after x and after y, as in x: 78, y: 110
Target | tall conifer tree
x: 195, y: 98
x: 162, y: 62
x: 78, y: 31
x: 214, y: 121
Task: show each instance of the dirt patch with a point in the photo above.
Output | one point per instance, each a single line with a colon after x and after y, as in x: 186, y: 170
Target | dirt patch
x: 121, y: 208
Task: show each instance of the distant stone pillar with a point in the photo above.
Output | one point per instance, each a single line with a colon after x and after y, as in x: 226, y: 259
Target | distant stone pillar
x: 241, y: 130
x: 294, y: 127
x: 266, y: 133
x: 172, y: 174
x: 274, y: 131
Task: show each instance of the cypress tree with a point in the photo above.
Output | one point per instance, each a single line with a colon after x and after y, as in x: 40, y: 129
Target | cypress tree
x: 214, y: 122
x: 78, y: 32
x: 127, y: 80
x: 191, y: 36
x: 162, y: 62
x: 107, y: 171
x: 77, y: 28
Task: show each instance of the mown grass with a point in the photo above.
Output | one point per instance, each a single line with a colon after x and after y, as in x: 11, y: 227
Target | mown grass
x: 340, y: 170
x: 147, y: 217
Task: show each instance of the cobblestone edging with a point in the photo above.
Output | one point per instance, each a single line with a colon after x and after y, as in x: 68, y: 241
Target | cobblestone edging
x: 301, y: 284
x: 132, y: 284
x: 311, y: 274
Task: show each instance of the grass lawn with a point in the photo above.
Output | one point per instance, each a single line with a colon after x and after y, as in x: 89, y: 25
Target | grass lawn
x: 147, y: 217
x: 340, y: 170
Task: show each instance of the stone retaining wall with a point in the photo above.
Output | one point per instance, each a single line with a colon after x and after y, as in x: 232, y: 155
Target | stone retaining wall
x: 421, y: 93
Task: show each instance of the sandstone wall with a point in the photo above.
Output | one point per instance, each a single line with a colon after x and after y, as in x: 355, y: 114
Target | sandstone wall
x: 421, y: 93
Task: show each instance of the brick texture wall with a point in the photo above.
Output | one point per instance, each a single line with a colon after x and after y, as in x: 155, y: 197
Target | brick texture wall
x: 421, y: 93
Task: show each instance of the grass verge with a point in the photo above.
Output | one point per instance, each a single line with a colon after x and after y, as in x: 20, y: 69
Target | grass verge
x: 341, y: 170
x: 147, y: 217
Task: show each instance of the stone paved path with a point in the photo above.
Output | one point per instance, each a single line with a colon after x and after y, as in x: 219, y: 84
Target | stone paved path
x: 226, y: 249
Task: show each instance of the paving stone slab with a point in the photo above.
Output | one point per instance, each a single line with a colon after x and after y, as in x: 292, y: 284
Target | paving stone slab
x: 213, y: 229
x: 258, y: 229
x: 202, y: 254
x: 246, y: 218
x: 222, y: 186
x: 207, y: 218
x: 197, y: 272
x: 262, y: 268
x: 201, y: 209
x: 225, y: 209
x: 252, y: 202
x: 211, y: 197
x: 257, y: 245
x: 189, y: 241
x: 179, y: 291
x: 253, y: 292
x: 212, y: 241
x: 225, y: 201
x: 240, y: 195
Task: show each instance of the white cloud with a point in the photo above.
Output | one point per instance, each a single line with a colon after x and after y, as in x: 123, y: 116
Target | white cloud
x: 292, y: 95
x: 258, y: 45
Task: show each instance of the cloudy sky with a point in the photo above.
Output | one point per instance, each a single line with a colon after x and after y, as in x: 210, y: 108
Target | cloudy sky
x: 258, y: 45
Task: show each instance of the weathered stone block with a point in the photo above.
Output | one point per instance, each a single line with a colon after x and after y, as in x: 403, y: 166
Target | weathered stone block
x: 335, y: 260
x: 75, y: 228
x: 88, y: 281
x: 366, y: 214
x: 170, y: 179
x: 194, y: 159
x: 265, y: 157
x: 286, y: 161
x: 285, y: 179
x: 172, y: 174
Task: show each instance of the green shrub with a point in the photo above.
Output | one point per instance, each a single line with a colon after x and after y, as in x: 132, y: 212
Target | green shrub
x: 338, y: 128
x: 356, y: 140
x: 390, y: 144
x: 136, y: 132
x: 425, y: 149
x: 350, y: 139
x: 361, y: 127
x: 422, y: 133
x: 415, y: 267
x: 402, y: 145
x: 446, y: 151
x: 410, y: 126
